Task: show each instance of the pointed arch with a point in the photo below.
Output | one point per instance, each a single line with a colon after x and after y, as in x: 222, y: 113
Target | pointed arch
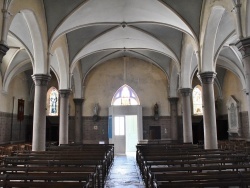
x: 125, y: 95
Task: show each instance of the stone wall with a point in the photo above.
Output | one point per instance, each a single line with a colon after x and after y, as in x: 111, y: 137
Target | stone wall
x: 95, y: 131
x: 244, y: 124
x: 19, y: 129
x: 163, y: 122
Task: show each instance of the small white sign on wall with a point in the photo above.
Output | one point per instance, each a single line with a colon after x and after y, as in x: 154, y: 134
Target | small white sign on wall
x: 233, y: 116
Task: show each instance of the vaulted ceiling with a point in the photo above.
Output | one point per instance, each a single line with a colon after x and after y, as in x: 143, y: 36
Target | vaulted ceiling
x: 167, y: 33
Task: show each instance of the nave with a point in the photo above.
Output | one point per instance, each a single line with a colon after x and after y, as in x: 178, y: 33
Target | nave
x: 124, y: 173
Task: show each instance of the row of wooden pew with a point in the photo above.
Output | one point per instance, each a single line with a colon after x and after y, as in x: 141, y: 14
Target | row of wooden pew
x: 187, y: 165
x: 76, y: 165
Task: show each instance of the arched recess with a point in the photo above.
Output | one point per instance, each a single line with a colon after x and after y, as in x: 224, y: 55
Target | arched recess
x: 128, y: 11
x: 20, y: 62
x: 125, y: 121
x: 174, y: 82
x: 26, y: 28
x: 208, y: 53
x: 76, y: 82
x: 226, y: 30
x: 104, y: 56
x: 226, y: 63
x: 63, y: 69
x: 59, y: 60
x: 189, y: 64
x: 125, y: 39
x: 20, y: 31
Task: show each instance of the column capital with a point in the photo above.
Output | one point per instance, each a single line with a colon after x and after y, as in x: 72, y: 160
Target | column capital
x: 173, y: 100
x: 41, y: 79
x: 185, y: 91
x: 207, y: 77
x: 78, y: 101
x: 64, y: 93
x: 243, y: 46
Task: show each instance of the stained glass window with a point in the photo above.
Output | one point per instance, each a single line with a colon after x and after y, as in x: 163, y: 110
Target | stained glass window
x: 53, y: 102
x: 125, y: 95
x: 197, y: 100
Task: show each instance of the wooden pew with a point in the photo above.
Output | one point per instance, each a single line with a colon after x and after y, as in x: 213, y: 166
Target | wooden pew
x: 194, y: 169
x: 92, y: 171
x: 7, y: 184
x: 9, y: 179
x: 159, y: 160
x: 62, y: 158
x: 211, y: 179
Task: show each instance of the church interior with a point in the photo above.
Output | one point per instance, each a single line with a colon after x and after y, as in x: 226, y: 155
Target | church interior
x: 155, y: 78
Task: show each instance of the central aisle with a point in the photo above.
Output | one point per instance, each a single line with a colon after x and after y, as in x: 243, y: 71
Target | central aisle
x: 124, y: 173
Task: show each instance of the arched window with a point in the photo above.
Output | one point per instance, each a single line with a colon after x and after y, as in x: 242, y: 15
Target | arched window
x: 125, y: 95
x: 197, y: 100
x: 52, y: 106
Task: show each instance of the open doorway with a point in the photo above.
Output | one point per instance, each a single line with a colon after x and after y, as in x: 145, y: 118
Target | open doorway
x: 125, y: 128
x: 126, y: 136
x: 125, y: 120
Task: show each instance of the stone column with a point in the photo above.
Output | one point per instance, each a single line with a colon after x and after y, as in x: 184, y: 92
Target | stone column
x: 209, y: 115
x: 39, y: 117
x: 244, y: 47
x: 174, y: 117
x: 6, y: 15
x: 78, y: 120
x: 64, y: 116
x: 187, y: 121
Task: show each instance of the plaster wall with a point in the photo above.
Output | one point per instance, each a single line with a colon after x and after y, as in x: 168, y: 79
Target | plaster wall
x: 232, y: 86
x: 18, y: 89
x: 147, y: 80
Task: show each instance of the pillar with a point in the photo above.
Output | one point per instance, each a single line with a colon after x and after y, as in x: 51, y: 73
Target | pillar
x: 6, y: 15
x: 209, y: 115
x: 39, y: 117
x: 78, y: 120
x: 64, y: 116
x: 187, y: 121
x: 174, y: 117
x: 244, y: 47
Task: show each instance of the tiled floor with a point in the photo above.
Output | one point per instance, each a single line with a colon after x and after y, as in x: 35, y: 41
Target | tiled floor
x: 124, y: 173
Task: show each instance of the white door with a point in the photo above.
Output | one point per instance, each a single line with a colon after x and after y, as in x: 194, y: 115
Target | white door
x: 125, y: 128
x: 131, y: 133
x: 119, y: 134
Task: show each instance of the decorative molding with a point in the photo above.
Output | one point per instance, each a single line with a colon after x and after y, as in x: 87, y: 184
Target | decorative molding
x: 41, y: 79
x: 207, y: 77
x: 243, y: 46
x: 64, y: 93
x: 185, y: 91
